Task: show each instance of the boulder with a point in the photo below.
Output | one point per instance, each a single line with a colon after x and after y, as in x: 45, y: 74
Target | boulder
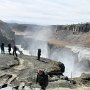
x: 85, y: 79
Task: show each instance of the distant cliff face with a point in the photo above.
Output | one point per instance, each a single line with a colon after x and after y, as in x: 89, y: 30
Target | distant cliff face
x: 6, y: 35
x: 76, y: 34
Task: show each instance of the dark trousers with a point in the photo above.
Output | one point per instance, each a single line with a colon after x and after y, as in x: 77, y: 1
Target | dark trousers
x: 14, y: 53
x: 38, y: 57
x: 43, y: 88
x: 9, y: 51
x: 2, y: 52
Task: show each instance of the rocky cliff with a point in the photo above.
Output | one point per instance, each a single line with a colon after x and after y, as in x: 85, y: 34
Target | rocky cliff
x: 23, y: 71
x: 6, y: 35
x: 65, y: 34
x: 25, y: 68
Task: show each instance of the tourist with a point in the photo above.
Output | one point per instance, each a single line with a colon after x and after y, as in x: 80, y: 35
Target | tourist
x: 39, y: 54
x: 9, y: 48
x: 42, y: 79
x: 2, y: 48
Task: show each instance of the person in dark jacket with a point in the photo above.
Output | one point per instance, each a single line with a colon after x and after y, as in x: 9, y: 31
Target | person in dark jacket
x: 39, y: 54
x: 42, y: 79
x: 2, y: 48
x: 9, y: 48
x: 14, y: 51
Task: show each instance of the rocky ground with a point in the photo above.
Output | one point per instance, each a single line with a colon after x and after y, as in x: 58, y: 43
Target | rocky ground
x: 14, y: 72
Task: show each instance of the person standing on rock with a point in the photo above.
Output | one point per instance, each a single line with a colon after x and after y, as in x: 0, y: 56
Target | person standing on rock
x: 39, y: 54
x: 42, y: 79
x: 9, y: 48
x: 14, y: 51
x: 2, y: 48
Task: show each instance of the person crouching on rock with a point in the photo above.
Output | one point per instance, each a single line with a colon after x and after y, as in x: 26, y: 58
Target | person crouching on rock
x: 42, y: 79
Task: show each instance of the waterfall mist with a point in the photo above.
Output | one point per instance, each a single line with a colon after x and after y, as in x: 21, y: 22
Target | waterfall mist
x: 75, y: 62
x: 38, y: 39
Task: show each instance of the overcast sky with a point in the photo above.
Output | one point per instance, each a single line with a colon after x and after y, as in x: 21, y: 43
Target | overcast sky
x: 45, y: 11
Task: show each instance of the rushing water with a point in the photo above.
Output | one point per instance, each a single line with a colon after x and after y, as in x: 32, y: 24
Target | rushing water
x: 76, y: 59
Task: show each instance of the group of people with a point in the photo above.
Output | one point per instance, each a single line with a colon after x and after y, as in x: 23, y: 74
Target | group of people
x: 42, y: 78
x: 16, y: 49
x: 9, y: 49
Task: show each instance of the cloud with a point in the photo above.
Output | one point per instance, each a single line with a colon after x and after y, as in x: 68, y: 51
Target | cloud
x: 45, y: 11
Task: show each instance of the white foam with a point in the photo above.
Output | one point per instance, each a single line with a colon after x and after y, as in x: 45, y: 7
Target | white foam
x: 83, y: 52
x: 25, y: 52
